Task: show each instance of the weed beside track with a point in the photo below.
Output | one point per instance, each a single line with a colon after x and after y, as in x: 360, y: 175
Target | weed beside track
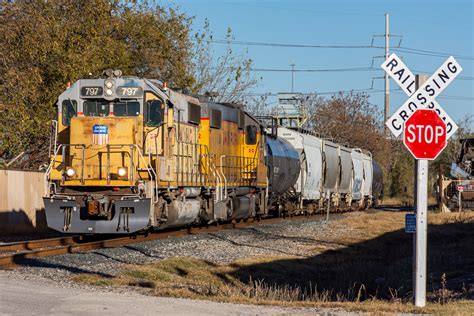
x: 366, y: 266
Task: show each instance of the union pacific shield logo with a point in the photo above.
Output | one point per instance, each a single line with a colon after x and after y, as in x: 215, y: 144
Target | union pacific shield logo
x: 100, y: 134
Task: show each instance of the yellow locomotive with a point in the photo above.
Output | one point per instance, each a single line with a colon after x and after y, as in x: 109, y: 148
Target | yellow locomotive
x: 130, y: 154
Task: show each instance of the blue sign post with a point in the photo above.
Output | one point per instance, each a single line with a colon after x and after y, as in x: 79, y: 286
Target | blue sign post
x: 410, y: 223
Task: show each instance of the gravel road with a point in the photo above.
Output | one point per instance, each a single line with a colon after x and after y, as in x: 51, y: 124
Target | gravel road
x: 21, y: 297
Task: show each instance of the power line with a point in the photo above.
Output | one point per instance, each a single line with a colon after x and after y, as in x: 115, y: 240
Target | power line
x: 404, y: 49
x: 353, y: 69
x: 312, y: 70
x: 251, y: 43
x: 450, y: 97
x: 366, y: 90
x: 432, y: 54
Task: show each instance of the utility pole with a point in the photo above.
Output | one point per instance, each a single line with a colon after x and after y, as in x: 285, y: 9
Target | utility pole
x: 292, y: 75
x: 386, y: 78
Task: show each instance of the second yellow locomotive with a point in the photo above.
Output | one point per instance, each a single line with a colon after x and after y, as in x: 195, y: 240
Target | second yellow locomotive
x: 130, y: 154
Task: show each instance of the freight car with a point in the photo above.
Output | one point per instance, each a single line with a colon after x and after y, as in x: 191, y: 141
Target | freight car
x: 129, y: 154
x: 345, y: 178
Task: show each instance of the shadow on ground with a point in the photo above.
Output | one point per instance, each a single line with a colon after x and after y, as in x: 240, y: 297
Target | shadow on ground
x: 380, y: 267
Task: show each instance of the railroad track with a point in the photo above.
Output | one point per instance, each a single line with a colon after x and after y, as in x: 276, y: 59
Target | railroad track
x: 17, y: 253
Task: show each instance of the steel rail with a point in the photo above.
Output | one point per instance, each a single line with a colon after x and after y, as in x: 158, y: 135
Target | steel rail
x: 16, y: 253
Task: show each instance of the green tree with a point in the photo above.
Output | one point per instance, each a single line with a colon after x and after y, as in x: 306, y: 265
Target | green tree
x: 46, y: 44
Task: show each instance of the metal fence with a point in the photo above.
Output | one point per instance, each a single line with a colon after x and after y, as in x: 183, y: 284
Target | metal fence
x: 21, y: 204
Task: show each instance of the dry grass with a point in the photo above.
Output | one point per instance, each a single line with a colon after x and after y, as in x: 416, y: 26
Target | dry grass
x: 405, y: 201
x: 372, y: 272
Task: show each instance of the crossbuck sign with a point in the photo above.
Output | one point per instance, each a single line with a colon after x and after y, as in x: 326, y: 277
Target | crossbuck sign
x: 426, y: 127
x: 425, y: 96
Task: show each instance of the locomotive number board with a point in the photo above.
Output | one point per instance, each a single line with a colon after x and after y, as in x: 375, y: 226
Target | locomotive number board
x: 129, y: 92
x: 91, y: 91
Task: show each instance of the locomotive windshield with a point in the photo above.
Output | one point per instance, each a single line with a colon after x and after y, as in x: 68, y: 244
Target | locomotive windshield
x: 103, y: 108
x: 126, y: 108
x: 96, y: 108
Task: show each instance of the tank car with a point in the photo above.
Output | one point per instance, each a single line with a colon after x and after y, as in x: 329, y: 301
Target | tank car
x: 284, y: 166
x: 129, y: 154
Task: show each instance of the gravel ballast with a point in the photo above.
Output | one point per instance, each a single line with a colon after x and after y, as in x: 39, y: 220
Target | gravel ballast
x: 294, y: 237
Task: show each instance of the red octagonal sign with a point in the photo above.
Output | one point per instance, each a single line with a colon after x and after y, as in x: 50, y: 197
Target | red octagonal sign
x: 424, y: 134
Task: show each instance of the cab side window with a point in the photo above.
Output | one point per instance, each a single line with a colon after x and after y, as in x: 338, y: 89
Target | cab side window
x: 251, y: 135
x: 69, y: 109
x: 154, y: 113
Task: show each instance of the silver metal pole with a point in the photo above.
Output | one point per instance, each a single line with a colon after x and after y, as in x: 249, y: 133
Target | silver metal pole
x: 421, y: 235
x: 328, y: 205
x: 421, y: 232
x: 386, y: 77
x: 460, y: 201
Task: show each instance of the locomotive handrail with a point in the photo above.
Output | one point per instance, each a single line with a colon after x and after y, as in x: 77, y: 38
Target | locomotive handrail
x: 54, y: 130
x: 238, y: 168
x: 223, y: 175
x: 192, y: 155
x: 62, y: 147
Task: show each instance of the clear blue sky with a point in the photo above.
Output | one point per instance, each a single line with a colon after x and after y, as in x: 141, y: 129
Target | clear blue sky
x: 433, y: 25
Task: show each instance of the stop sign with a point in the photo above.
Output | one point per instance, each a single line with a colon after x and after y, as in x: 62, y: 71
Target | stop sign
x: 425, y: 134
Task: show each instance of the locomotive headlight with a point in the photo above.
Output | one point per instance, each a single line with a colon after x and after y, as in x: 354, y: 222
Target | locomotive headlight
x: 108, y: 92
x: 122, y: 171
x: 70, y: 172
x: 109, y: 84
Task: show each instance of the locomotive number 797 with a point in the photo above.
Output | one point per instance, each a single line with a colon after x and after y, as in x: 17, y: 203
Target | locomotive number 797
x: 128, y: 91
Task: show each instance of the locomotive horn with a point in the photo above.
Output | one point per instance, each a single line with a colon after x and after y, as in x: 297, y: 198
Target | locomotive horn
x: 108, y: 73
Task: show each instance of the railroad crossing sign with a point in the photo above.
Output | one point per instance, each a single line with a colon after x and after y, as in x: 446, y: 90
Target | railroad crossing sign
x: 426, y: 127
x: 425, y: 96
x: 425, y: 134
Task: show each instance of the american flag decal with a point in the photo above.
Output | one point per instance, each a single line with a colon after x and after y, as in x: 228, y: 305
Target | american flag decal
x: 100, y: 134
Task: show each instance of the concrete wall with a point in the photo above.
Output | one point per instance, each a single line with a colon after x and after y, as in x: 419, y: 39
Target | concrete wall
x: 21, y: 206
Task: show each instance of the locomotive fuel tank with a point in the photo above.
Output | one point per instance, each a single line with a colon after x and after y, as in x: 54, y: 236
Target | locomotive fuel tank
x: 283, y: 164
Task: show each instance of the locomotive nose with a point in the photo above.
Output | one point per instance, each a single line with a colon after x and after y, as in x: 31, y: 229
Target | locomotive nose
x: 105, y: 149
